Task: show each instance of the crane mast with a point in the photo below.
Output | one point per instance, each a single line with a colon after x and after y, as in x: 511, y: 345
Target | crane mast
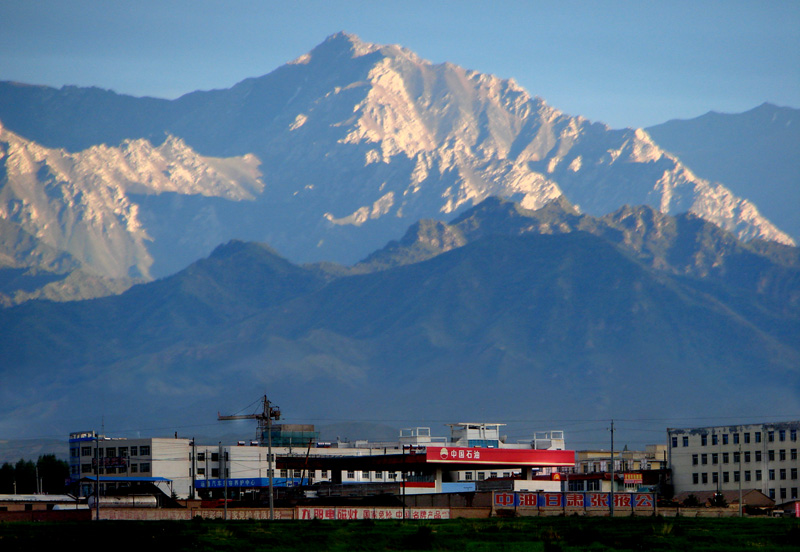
x: 265, y: 417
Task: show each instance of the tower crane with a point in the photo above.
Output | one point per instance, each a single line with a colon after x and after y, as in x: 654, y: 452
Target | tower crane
x: 265, y: 417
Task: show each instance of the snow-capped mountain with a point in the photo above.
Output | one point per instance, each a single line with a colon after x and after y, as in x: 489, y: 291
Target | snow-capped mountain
x: 326, y: 158
x: 83, y: 203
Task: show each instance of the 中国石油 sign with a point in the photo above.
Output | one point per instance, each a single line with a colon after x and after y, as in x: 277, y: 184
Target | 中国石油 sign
x: 500, y: 457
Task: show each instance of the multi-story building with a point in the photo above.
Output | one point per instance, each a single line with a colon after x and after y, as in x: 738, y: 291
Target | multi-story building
x: 182, y: 468
x: 163, y: 462
x: 723, y: 458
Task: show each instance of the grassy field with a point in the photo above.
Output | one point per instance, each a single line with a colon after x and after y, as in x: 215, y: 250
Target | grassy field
x: 517, y: 534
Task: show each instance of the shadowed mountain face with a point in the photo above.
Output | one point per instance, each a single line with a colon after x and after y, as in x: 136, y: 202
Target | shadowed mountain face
x: 325, y: 158
x: 503, y: 314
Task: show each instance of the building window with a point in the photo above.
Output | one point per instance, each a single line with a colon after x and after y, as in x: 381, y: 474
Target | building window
x: 758, y: 456
x: 794, y: 492
x: 782, y: 435
x: 783, y: 474
x: 468, y: 476
x: 297, y: 474
x: 201, y: 471
x: 714, y: 439
x: 74, y: 452
x: 793, y: 454
x: 323, y: 473
x: 715, y: 477
x: 758, y: 436
x: 694, y: 460
x: 378, y: 475
x: 674, y: 442
x: 704, y: 478
x: 783, y: 493
x: 771, y: 455
x: 593, y: 485
x: 685, y: 440
x: 737, y: 457
x: 794, y: 473
x: 144, y: 450
x: 123, y: 452
x: 695, y: 479
x: 735, y: 438
x: 215, y: 472
x: 772, y: 475
x: 715, y: 458
x: 481, y: 476
x: 201, y: 456
x: 793, y: 435
x: 364, y: 475
x: 772, y: 494
x: 782, y: 455
x: 284, y: 474
x: 724, y: 438
x: 747, y: 456
x: 86, y: 468
x: 111, y: 452
x: 86, y: 451
x: 704, y: 459
x: 392, y: 475
x: 758, y: 475
x: 134, y: 468
x: 215, y: 457
x: 111, y: 469
x: 725, y: 477
x: 747, y: 475
x: 351, y: 475
x: 770, y: 436
x: 144, y: 467
x: 703, y: 440
x: 725, y: 457
x: 134, y: 451
x: 747, y: 437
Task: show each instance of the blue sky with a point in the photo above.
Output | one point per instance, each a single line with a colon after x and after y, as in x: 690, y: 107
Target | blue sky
x: 625, y: 63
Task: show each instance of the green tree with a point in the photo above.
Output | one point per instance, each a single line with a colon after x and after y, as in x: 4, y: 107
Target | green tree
x: 25, y: 475
x: 53, y: 474
x: 6, y: 478
x: 718, y: 501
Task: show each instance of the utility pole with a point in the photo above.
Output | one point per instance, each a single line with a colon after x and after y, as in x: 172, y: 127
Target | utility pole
x: 97, y: 476
x: 740, y: 477
x: 611, y: 496
x: 194, y: 468
x: 270, y: 467
x: 224, y: 471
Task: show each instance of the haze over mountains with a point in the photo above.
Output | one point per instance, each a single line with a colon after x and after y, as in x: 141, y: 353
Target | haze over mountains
x: 493, y: 258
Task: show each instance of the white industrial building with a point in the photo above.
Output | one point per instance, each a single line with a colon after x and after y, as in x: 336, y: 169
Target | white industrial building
x: 726, y: 458
x: 181, y: 468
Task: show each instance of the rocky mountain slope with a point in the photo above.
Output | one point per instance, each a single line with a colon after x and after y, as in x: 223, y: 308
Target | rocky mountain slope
x: 326, y: 158
x: 756, y: 154
x: 512, y: 315
x: 83, y: 206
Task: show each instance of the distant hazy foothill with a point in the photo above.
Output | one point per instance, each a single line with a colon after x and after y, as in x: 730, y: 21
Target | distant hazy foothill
x: 503, y: 313
x: 362, y: 230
